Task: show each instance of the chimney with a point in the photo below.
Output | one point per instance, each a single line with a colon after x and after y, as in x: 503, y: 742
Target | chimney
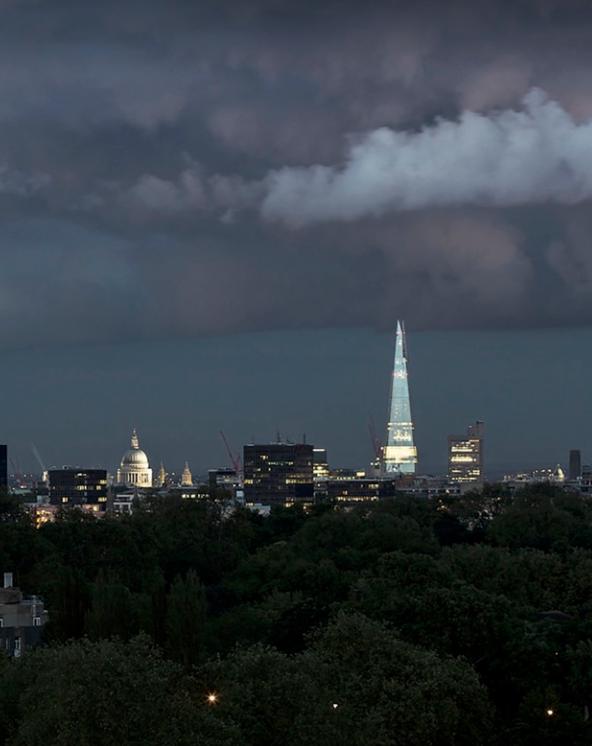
x: 7, y: 580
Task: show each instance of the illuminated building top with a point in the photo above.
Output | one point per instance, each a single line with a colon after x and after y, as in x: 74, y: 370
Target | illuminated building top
x: 400, y: 453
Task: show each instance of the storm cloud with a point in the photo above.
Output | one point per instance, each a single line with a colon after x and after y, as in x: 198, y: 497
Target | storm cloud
x: 508, y: 158
x: 195, y: 168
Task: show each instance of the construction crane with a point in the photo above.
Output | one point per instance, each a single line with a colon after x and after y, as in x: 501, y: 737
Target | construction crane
x: 38, y: 457
x: 376, y: 447
x: 44, y: 472
x: 15, y: 469
x: 234, y: 459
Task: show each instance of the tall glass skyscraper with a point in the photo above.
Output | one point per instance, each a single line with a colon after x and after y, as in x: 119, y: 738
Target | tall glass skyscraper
x: 400, y: 453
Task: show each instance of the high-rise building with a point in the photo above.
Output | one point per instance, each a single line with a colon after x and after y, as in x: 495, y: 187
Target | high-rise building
x: 3, y: 467
x: 320, y: 472
x: 278, y: 473
x: 320, y: 465
x: 400, y: 453
x: 575, y: 465
x: 465, y: 454
x: 73, y: 487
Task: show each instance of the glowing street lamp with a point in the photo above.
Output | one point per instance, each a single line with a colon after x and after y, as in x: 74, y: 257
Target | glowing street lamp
x: 212, y: 698
x: 550, y: 712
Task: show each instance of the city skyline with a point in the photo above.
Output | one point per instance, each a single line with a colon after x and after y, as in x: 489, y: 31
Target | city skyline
x: 95, y: 394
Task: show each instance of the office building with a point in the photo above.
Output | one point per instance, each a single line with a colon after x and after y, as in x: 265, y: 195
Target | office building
x: 278, y: 473
x: 360, y: 489
x: 74, y: 487
x: 465, y: 455
x: 586, y: 480
x: 223, y: 480
x: 400, y: 453
x: 21, y: 619
x: 575, y: 465
x: 320, y: 465
x: 3, y: 468
x: 320, y: 472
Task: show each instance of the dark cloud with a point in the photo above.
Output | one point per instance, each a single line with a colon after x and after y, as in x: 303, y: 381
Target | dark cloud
x: 182, y: 168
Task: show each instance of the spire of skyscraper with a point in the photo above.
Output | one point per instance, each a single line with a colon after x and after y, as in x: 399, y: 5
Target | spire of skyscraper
x: 400, y: 453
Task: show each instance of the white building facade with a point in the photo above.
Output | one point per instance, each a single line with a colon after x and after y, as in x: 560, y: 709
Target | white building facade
x: 134, y: 470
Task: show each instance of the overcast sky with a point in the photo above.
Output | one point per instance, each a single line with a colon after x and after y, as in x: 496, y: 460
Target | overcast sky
x: 183, y: 183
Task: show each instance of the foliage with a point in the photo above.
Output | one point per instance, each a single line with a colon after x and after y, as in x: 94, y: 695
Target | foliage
x: 356, y: 684
x: 426, y: 621
x: 103, y: 694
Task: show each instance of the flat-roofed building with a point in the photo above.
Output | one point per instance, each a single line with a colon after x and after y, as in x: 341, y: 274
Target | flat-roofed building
x: 361, y: 489
x: 21, y: 619
x: 465, y: 455
x: 575, y: 465
x: 75, y: 487
x: 279, y: 473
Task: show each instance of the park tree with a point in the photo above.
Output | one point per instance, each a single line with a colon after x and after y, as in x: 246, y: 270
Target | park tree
x: 357, y: 684
x: 107, y: 693
x: 185, y: 619
x: 113, y: 612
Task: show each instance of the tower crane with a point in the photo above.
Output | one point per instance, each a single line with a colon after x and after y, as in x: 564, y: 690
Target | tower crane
x: 234, y: 459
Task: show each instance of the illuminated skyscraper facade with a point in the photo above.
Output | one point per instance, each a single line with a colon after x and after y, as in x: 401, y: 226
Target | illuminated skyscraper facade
x: 400, y: 453
x: 465, y: 455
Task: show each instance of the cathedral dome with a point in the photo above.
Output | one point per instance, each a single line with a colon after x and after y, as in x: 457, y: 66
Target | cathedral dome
x: 134, y: 469
x: 135, y: 457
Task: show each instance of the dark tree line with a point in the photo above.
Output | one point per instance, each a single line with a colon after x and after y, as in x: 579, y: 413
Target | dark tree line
x: 461, y: 621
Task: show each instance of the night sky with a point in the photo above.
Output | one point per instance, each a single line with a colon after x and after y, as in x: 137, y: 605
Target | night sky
x: 212, y: 214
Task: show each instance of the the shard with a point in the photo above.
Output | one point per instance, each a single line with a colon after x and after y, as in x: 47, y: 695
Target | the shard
x: 400, y: 453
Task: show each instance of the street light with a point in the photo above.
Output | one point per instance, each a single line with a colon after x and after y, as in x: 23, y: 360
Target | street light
x: 550, y: 712
x: 212, y: 698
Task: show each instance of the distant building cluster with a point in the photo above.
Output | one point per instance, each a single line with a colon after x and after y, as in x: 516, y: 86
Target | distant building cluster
x: 281, y: 473
x: 286, y: 473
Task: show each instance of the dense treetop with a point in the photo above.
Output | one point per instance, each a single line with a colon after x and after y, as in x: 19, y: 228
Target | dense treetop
x: 404, y: 622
